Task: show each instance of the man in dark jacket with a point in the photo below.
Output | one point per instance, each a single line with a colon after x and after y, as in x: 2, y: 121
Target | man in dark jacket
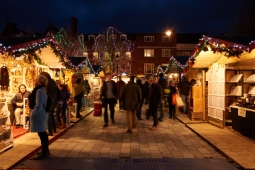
x: 120, y: 84
x: 52, y: 91
x: 108, y: 96
x: 163, y: 83
x: 155, y: 98
x: 184, y: 88
x: 131, y: 97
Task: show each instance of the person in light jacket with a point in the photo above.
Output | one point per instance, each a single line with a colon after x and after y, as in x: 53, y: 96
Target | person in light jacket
x: 131, y: 97
x: 38, y: 117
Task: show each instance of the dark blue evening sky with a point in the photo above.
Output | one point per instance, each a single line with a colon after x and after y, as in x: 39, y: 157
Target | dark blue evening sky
x: 128, y: 16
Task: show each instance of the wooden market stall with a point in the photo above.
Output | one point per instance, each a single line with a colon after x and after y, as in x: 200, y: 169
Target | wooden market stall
x: 225, y: 67
x: 21, y: 60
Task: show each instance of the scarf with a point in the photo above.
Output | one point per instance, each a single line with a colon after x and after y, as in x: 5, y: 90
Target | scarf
x: 32, y: 97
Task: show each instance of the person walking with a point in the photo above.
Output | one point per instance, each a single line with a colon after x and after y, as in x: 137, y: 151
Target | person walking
x: 155, y: 98
x: 52, y: 92
x: 108, y: 97
x: 120, y: 84
x: 163, y: 83
x: 17, y: 102
x: 86, y: 92
x: 131, y: 97
x: 171, y: 105
x: 139, y: 110
x: 184, y: 88
x: 147, y: 89
x: 78, y: 95
x: 38, y: 117
x: 62, y: 105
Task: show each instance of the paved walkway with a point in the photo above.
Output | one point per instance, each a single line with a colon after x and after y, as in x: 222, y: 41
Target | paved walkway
x: 27, y: 144
x: 172, y: 139
x: 234, y: 146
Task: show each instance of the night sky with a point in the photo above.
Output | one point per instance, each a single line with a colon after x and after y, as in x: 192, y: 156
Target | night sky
x: 213, y: 17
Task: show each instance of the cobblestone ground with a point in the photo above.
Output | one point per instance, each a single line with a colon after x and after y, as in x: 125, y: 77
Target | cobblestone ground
x: 171, y: 139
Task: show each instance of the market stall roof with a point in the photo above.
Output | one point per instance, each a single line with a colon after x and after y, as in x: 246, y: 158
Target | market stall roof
x: 210, y: 50
x: 44, y: 51
x: 76, y: 61
x: 182, y: 59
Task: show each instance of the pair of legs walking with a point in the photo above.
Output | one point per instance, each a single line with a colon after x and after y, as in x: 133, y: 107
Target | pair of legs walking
x: 110, y: 102
x: 131, y: 122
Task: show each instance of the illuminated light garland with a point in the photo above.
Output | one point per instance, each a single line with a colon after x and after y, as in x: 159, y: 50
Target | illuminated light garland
x: 169, y: 66
x: 205, y: 42
x: 108, y: 48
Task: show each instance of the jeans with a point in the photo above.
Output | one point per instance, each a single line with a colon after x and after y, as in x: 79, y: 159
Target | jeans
x: 84, y: 101
x: 154, y: 115
x: 172, y: 110
x: 111, y: 102
x: 51, y: 122
x: 44, y: 142
x: 184, y: 99
x: 61, y: 110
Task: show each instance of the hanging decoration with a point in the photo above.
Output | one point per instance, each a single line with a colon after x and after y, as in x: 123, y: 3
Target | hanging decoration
x: 171, y: 62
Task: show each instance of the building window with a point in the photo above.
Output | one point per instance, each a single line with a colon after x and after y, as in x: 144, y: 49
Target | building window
x: 91, y: 38
x: 148, y: 38
x: 85, y: 54
x: 123, y: 37
x: 101, y: 38
x: 148, y: 68
x: 166, y: 39
x: 148, y: 52
x: 128, y: 55
x: 128, y: 68
x: 166, y: 53
x: 95, y: 55
x: 186, y: 53
x: 113, y: 37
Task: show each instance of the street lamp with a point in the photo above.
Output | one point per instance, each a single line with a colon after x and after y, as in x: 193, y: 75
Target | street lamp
x: 168, y: 33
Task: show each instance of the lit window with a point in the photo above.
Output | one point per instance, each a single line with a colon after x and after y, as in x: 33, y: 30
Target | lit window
x: 95, y: 55
x: 85, y: 54
x: 166, y: 39
x: 148, y: 52
x: 148, y: 68
x: 91, y: 38
x: 148, y: 38
x: 186, y: 53
x: 128, y: 68
x: 166, y: 53
x: 128, y: 55
x: 101, y: 38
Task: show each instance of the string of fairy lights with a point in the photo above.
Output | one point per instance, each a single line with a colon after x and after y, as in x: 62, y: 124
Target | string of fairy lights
x: 115, y: 43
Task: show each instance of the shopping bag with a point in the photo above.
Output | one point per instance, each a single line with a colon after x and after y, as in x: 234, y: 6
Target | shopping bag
x: 174, y: 99
x: 179, y: 101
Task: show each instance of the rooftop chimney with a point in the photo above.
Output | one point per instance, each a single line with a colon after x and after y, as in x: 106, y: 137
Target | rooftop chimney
x: 74, y: 24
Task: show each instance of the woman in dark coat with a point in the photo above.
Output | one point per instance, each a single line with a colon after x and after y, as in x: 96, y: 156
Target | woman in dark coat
x: 38, y: 116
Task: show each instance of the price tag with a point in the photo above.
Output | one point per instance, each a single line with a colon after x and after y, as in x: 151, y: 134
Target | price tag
x: 241, y: 112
